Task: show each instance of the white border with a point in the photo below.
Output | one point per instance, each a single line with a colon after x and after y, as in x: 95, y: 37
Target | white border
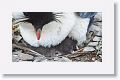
x: 104, y: 67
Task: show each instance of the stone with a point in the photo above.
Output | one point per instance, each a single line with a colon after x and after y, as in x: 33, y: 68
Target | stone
x: 99, y: 33
x: 18, y: 37
x: 98, y: 17
x: 96, y: 38
x: 93, y: 44
x: 93, y: 58
x: 86, y: 49
x: 57, y: 59
x: 17, y: 52
x: 39, y: 58
x: 98, y: 24
x: 15, y: 58
x: 61, y: 59
x: 95, y: 28
x: 23, y: 56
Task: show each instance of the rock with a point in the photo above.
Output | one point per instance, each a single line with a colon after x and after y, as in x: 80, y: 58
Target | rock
x: 93, y: 58
x: 95, y: 28
x: 61, y: 59
x: 15, y: 58
x: 18, y: 37
x: 86, y: 49
x: 17, y: 52
x: 23, y: 56
x: 93, y: 44
x: 25, y: 61
x: 99, y: 24
x: 98, y: 17
x: 98, y: 47
x: 96, y: 38
x: 52, y: 53
x: 39, y: 58
x: 57, y: 59
x: 96, y: 25
x: 99, y: 33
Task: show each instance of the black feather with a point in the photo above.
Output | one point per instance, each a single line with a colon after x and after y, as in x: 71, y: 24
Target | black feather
x: 39, y: 19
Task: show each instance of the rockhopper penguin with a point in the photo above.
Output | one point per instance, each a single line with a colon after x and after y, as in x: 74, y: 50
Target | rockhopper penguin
x: 51, y: 28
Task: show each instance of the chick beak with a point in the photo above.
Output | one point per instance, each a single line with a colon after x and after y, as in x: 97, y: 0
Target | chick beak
x: 38, y: 34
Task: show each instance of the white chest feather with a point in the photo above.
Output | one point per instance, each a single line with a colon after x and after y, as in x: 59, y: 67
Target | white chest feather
x: 55, y: 32
x: 79, y: 30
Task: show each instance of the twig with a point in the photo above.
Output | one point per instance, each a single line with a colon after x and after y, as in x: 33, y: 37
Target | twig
x: 25, y: 48
x: 20, y: 20
x: 79, y: 54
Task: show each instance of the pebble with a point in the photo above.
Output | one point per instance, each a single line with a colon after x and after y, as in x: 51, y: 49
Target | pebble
x: 98, y: 24
x: 96, y: 38
x: 15, y: 58
x: 86, y: 49
x: 98, y: 16
x: 18, y: 37
x: 98, y: 47
x: 39, y: 59
x: 25, y: 61
x: 23, y: 56
x: 99, y: 33
x: 93, y: 58
x: 93, y: 44
x: 17, y: 52
x: 95, y: 28
x: 99, y: 52
x: 58, y: 59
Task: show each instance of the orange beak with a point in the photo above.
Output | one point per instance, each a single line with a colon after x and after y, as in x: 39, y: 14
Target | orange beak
x: 38, y: 34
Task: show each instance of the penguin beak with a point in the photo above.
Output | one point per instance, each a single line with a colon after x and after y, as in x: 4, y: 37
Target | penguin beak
x: 38, y: 33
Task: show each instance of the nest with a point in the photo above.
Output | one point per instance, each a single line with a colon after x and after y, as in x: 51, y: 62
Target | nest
x: 91, y: 51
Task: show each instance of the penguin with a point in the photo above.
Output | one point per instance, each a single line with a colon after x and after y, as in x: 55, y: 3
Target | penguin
x: 50, y: 29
